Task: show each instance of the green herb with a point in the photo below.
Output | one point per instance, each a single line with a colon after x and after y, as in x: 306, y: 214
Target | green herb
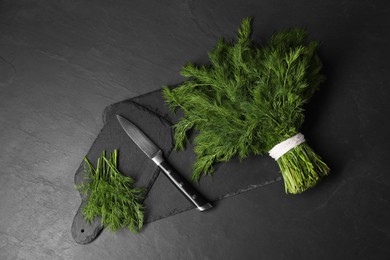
x: 249, y: 99
x: 111, y: 195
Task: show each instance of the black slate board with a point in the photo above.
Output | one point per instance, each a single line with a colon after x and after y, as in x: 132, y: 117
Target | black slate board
x: 151, y: 114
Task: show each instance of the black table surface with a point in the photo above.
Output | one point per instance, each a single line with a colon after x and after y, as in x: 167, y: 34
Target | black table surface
x: 63, y: 62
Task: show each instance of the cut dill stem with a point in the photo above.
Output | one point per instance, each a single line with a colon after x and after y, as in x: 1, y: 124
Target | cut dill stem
x: 111, y: 195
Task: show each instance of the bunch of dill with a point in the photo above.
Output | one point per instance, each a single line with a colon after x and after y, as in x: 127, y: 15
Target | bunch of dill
x: 111, y: 195
x: 247, y: 100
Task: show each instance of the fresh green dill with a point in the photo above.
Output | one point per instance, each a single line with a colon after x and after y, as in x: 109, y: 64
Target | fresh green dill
x: 248, y: 99
x: 111, y: 195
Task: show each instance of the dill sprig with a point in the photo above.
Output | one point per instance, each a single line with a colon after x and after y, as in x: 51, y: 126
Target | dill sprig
x: 111, y: 195
x: 247, y: 100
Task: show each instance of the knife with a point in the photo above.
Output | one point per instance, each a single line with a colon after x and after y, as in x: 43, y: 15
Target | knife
x: 155, y: 154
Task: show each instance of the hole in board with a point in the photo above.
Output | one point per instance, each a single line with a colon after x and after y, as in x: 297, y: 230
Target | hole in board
x: 82, y: 231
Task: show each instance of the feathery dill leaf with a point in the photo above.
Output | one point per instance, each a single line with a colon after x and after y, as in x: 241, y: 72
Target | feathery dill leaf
x: 247, y: 100
x: 111, y: 195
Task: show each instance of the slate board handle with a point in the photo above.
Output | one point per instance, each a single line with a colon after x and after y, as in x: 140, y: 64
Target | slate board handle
x: 181, y: 184
x: 83, y: 232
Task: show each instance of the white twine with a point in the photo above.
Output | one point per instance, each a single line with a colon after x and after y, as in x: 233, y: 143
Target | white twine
x: 283, y: 147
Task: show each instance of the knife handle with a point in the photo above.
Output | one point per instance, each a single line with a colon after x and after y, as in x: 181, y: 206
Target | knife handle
x: 192, y: 195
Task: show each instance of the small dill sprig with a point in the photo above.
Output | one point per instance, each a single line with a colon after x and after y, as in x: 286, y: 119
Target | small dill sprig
x: 111, y: 195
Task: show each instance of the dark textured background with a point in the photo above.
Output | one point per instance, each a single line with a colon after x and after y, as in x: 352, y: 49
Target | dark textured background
x: 63, y: 62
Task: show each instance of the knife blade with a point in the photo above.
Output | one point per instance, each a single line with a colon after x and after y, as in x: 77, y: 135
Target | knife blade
x: 155, y: 154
